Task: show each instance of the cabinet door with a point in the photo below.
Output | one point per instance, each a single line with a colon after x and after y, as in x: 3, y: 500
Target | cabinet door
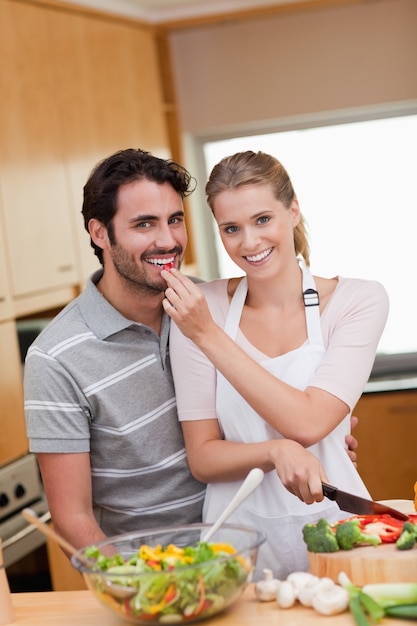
x: 6, y: 308
x: 64, y: 576
x: 387, y: 436
x: 108, y: 85
x: 37, y: 222
x: 13, y: 442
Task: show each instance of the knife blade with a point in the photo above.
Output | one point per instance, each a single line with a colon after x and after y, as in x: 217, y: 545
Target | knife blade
x: 359, y: 506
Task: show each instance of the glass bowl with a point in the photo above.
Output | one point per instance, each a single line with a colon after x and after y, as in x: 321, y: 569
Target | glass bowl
x: 175, y: 590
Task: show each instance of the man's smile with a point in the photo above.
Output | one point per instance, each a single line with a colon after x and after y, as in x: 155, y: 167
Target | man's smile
x: 160, y: 262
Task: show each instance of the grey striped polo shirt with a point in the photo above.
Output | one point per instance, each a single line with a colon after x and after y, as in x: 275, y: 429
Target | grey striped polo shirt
x: 97, y: 382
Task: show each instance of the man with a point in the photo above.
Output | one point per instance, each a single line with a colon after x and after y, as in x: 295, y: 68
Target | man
x: 99, y: 398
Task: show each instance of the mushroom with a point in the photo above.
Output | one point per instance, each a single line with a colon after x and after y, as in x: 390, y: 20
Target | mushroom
x: 331, y: 601
x: 306, y: 593
x: 300, y: 579
x: 287, y: 595
x: 267, y: 588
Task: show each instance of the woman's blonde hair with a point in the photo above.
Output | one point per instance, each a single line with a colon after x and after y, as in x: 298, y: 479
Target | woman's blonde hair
x: 257, y: 168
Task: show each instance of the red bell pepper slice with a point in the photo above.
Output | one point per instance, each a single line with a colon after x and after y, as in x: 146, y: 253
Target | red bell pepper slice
x: 387, y: 528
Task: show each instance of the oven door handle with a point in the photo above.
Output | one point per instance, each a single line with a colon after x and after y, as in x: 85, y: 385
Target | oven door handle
x: 30, y: 528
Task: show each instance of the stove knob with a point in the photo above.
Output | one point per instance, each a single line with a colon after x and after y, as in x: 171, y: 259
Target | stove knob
x: 4, y: 500
x: 19, y: 491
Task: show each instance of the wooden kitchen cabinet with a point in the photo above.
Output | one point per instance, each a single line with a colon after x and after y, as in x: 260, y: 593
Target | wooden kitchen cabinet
x: 38, y: 230
x: 13, y: 442
x: 6, y: 306
x: 387, y: 435
x: 107, y: 83
x: 64, y: 577
x: 75, y: 88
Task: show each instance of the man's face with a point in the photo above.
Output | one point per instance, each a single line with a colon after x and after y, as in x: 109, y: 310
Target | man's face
x: 149, y: 232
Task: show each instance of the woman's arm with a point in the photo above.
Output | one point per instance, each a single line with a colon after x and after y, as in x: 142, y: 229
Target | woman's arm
x: 304, y: 416
x: 212, y: 459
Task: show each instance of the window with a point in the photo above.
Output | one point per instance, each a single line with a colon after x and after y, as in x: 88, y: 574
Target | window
x: 357, y: 188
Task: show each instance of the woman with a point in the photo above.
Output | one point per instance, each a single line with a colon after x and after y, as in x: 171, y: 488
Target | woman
x: 268, y: 372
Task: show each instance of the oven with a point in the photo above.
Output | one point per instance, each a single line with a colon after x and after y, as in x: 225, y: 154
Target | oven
x: 21, y: 487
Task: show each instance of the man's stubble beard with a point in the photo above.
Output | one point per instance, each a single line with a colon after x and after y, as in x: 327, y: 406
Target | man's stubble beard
x: 134, y: 277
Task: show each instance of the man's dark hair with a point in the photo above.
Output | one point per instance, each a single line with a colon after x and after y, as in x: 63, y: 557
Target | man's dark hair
x: 125, y: 166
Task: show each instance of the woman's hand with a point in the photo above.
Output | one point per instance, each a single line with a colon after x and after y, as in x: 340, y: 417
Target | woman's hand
x: 213, y: 459
x: 187, y: 306
x: 299, y: 470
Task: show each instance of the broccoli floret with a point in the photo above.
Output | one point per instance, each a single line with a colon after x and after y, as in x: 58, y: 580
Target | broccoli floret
x: 406, y: 540
x: 412, y: 528
x: 408, y: 537
x: 349, y: 535
x: 320, y: 537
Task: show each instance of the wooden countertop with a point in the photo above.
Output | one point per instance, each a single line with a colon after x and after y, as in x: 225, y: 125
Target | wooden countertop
x: 67, y: 608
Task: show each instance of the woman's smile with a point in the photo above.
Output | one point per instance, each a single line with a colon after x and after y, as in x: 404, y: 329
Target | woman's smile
x: 258, y: 258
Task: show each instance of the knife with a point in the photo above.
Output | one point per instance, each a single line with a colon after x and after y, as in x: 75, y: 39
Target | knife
x: 359, y: 506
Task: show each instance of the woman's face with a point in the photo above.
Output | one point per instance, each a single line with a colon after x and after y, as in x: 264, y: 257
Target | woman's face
x: 256, y: 229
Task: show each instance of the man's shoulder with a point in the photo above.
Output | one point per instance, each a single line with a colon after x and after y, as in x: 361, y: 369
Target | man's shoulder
x: 65, y: 324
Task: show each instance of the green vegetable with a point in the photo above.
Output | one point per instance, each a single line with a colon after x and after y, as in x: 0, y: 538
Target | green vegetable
x: 408, y: 537
x: 320, y: 537
x: 349, y: 535
x: 396, y: 599
x: 405, y: 611
x: 103, y: 562
x: 371, y: 607
x: 357, y: 611
x: 361, y: 604
x: 392, y: 594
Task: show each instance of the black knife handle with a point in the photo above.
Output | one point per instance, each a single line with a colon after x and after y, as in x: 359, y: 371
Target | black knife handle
x: 329, y: 491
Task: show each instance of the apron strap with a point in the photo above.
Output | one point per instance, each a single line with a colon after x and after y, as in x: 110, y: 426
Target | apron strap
x: 311, y: 302
x: 311, y: 305
x: 235, y: 308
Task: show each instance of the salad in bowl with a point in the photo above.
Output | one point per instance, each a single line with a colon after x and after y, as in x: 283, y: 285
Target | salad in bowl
x: 170, y: 575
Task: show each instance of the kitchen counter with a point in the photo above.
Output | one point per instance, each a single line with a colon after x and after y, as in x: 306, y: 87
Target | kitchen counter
x: 67, y: 608
x: 402, y: 383
x: 393, y: 372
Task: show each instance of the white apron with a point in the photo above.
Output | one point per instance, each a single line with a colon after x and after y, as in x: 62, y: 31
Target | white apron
x: 271, y: 507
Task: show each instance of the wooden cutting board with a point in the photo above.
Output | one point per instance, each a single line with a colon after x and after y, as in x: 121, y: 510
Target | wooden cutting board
x: 369, y: 564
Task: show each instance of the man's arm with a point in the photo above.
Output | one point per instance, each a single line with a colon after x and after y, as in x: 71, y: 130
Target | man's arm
x: 67, y: 483
x: 351, y: 442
